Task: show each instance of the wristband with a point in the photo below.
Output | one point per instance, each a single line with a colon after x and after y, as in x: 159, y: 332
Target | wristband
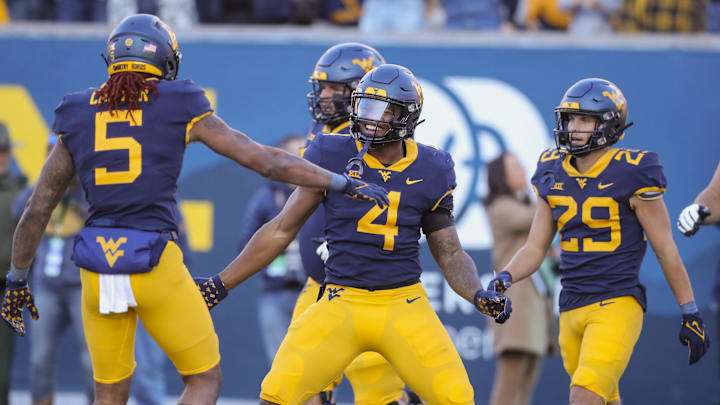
x: 18, y: 275
x: 689, y: 308
x: 338, y: 182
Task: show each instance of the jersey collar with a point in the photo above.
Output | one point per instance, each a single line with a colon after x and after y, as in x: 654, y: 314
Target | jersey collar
x: 411, y: 152
x: 596, y: 169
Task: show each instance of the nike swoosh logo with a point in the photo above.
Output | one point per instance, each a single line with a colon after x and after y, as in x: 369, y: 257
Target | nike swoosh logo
x: 602, y: 304
x: 408, y: 181
x: 603, y: 186
x: 410, y: 301
x: 696, y: 328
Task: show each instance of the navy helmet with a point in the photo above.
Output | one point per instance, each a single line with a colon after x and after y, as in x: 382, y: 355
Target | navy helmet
x: 600, y: 99
x: 143, y: 43
x: 343, y: 64
x: 388, y: 99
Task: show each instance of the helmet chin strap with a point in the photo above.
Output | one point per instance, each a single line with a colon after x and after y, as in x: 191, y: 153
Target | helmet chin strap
x: 357, y: 163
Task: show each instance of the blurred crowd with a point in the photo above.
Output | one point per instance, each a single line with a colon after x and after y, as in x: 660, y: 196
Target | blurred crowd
x: 574, y: 16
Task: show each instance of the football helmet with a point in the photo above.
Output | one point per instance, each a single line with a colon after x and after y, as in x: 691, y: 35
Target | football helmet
x: 600, y: 99
x: 143, y: 43
x: 386, y: 105
x: 342, y: 65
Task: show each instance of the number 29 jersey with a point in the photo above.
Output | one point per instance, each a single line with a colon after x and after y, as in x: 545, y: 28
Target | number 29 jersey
x: 128, y: 165
x: 372, y: 247
x: 602, y: 241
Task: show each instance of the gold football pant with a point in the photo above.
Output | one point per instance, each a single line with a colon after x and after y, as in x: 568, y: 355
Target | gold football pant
x: 596, y: 342
x: 171, y: 309
x: 399, y: 324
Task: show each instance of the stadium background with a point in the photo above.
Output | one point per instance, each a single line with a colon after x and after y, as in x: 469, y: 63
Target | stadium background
x: 484, y: 93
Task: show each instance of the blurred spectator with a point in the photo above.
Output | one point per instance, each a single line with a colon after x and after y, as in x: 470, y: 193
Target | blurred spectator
x: 541, y: 14
x: 662, y: 16
x: 4, y: 13
x: 342, y: 12
x: 392, y: 15
x: 176, y: 13
x: 713, y: 16
x: 283, y: 279
x: 528, y: 335
x: 32, y: 9
x: 590, y: 16
x: 57, y: 291
x: 285, y: 11
x: 82, y: 10
x: 209, y: 11
x: 479, y: 15
x: 10, y: 186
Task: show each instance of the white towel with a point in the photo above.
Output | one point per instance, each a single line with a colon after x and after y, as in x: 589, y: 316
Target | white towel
x: 116, y: 293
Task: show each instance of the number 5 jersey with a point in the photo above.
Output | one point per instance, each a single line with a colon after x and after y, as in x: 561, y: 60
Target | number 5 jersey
x: 602, y: 241
x: 128, y: 164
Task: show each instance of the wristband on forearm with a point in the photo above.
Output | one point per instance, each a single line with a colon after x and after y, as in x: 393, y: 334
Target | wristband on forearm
x: 338, y: 182
x: 689, y: 308
x: 16, y: 274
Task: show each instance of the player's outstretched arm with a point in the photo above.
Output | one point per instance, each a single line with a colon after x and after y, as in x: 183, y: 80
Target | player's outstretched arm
x: 704, y: 211
x: 277, y: 164
x: 654, y: 218
x: 530, y: 256
x: 56, y: 174
x: 461, y: 273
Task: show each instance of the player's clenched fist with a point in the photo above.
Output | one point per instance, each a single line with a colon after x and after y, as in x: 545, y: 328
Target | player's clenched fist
x: 493, y: 304
x: 691, y: 218
x: 17, y: 297
x: 212, y: 289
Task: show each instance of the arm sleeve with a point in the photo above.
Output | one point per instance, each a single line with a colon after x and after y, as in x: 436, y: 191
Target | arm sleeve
x: 61, y: 121
x: 197, y: 106
x: 444, y: 198
x: 649, y: 181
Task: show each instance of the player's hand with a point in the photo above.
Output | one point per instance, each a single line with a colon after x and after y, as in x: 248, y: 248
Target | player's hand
x: 323, y: 251
x: 501, y: 282
x: 366, y: 191
x: 691, y: 218
x: 694, y: 336
x: 212, y: 289
x: 493, y: 304
x: 17, y: 297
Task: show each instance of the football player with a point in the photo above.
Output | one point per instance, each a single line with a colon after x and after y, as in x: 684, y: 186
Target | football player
x: 335, y: 76
x: 704, y: 211
x: 372, y: 299
x: 126, y: 140
x: 603, y: 201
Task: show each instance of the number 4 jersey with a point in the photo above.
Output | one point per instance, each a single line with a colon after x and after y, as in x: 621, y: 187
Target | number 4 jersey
x: 128, y: 165
x: 372, y: 247
x: 602, y: 241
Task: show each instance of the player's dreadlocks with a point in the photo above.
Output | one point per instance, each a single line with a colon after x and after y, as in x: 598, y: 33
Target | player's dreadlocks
x: 126, y: 89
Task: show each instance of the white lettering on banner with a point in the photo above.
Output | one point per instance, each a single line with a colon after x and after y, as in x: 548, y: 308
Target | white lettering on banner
x: 471, y: 342
x: 489, y: 116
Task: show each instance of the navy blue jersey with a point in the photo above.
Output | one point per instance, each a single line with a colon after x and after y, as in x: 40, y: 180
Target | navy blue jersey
x: 372, y: 247
x: 313, y: 232
x: 602, y: 241
x: 128, y: 165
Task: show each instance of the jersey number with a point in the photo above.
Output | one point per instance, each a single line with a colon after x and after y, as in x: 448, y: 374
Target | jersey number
x: 103, y: 143
x: 389, y: 229
x: 588, y: 244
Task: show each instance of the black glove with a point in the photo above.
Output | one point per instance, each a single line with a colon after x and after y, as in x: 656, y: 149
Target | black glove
x: 501, y: 282
x: 17, y: 297
x: 366, y: 191
x: 694, y: 336
x: 493, y: 304
x: 212, y: 289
